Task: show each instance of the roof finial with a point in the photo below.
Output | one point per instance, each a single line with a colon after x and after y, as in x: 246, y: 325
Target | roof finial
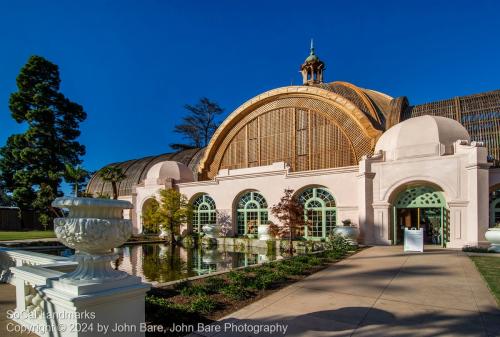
x: 312, y: 47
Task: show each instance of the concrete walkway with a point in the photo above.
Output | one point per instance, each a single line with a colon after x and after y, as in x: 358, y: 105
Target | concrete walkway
x: 382, y: 291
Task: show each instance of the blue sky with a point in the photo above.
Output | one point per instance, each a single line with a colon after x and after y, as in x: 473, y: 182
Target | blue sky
x: 134, y: 64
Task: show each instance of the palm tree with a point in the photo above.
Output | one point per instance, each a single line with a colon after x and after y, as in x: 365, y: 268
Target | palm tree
x: 114, y: 175
x: 76, y: 175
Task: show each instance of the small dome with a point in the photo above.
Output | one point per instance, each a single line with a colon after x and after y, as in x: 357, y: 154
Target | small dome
x: 161, y: 171
x: 312, y: 58
x: 421, y: 136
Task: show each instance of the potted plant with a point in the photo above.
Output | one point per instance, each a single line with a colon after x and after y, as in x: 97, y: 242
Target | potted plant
x: 348, y: 230
x: 493, y: 236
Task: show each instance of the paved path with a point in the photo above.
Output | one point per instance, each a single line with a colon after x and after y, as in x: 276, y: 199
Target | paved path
x: 382, y: 291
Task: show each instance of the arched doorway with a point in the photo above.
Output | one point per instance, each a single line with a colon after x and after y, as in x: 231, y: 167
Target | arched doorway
x: 320, y: 209
x: 204, y: 212
x: 494, y: 206
x: 251, y: 212
x: 148, y: 218
x: 421, y: 207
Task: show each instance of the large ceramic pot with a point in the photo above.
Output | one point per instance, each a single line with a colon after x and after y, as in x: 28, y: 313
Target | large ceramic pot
x: 349, y: 232
x: 93, y: 228
x: 211, y: 256
x: 210, y: 231
x: 493, y: 236
x: 263, y: 231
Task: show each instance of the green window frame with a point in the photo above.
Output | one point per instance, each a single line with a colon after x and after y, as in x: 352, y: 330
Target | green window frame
x: 422, y: 197
x: 494, y: 208
x: 320, y: 209
x: 251, y: 209
x: 204, y: 212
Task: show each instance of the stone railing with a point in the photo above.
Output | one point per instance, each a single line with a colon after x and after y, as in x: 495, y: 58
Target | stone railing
x: 17, y: 258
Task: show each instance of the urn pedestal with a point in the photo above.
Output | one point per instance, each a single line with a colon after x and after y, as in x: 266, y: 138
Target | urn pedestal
x: 94, y: 299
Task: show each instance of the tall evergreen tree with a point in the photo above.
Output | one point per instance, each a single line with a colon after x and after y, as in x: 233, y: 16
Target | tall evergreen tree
x: 32, y: 164
x: 199, y: 125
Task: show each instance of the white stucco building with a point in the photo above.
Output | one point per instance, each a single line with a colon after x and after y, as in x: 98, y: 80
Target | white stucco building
x: 348, y: 153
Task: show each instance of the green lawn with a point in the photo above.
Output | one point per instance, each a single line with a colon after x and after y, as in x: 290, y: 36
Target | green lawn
x: 489, y: 267
x: 11, y: 235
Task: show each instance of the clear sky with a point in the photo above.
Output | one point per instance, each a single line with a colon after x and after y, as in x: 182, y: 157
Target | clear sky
x: 134, y: 64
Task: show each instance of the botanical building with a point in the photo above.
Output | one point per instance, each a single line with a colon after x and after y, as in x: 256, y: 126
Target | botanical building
x: 348, y: 153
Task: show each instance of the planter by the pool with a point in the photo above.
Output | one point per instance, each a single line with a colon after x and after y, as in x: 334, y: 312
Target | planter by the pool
x: 348, y: 232
x: 210, y: 231
x: 263, y: 231
x: 493, y: 236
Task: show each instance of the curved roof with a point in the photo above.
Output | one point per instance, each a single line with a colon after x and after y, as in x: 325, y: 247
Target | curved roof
x: 136, y: 171
x: 360, y: 125
x: 424, y: 135
x: 375, y: 105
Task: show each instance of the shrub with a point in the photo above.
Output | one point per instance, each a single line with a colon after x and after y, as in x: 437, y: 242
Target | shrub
x: 235, y: 292
x: 158, y: 308
x: 214, y: 284
x: 337, y: 245
x: 238, y: 278
x: 265, y: 280
x: 291, y: 268
x: 189, y: 289
x: 203, y: 304
x: 473, y: 249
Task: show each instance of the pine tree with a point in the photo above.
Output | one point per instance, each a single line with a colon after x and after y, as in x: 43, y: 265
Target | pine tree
x: 32, y: 164
x: 199, y: 125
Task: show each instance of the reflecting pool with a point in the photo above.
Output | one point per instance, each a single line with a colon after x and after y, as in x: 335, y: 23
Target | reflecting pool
x: 158, y: 263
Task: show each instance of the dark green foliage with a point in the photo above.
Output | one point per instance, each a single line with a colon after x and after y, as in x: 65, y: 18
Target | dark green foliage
x: 265, y: 280
x: 189, y: 289
x: 194, y: 289
x: 235, y: 292
x: 199, y: 125
x: 239, y: 278
x: 337, y: 246
x: 214, y: 284
x: 32, y: 164
x: 203, y: 304
x: 473, y: 249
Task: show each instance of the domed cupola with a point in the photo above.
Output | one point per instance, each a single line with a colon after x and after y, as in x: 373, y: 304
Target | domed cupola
x: 421, y: 137
x: 312, y: 68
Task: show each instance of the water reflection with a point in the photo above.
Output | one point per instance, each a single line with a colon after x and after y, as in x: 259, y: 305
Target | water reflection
x: 163, y: 263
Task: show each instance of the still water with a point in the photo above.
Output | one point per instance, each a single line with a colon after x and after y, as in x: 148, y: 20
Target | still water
x: 163, y: 263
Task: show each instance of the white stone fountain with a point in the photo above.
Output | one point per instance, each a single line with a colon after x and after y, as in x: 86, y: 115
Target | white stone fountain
x: 93, y: 296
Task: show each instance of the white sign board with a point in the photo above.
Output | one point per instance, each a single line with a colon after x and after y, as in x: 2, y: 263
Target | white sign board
x: 414, y: 240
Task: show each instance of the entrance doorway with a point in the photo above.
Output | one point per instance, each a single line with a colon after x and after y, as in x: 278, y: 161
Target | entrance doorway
x: 421, y: 207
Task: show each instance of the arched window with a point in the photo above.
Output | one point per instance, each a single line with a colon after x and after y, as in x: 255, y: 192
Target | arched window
x: 320, y: 209
x: 494, y: 207
x: 204, y: 212
x: 251, y: 212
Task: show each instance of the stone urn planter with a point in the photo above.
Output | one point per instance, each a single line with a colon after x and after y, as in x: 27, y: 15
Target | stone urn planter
x: 263, y: 232
x: 93, y: 228
x: 210, y: 231
x: 211, y: 256
x: 349, y: 232
x: 493, y: 236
